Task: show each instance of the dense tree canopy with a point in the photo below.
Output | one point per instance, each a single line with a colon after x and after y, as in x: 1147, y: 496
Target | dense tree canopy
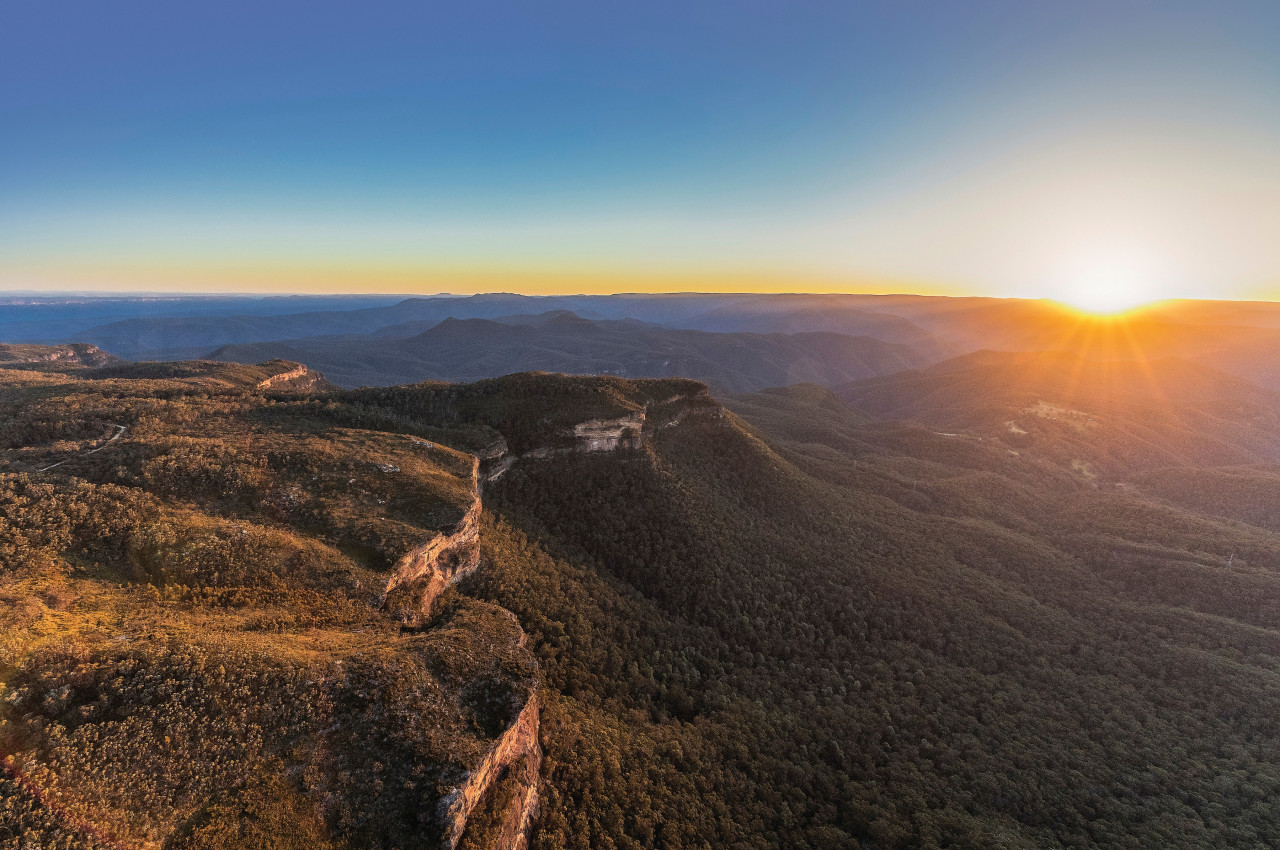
x: 805, y: 627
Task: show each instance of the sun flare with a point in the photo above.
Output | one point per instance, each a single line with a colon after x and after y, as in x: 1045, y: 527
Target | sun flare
x: 1108, y: 289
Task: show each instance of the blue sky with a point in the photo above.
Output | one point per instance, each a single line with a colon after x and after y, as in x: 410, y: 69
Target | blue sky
x: 961, y: 146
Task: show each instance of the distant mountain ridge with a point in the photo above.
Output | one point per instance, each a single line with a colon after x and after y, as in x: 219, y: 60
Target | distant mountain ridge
x: 347, y: 333
x: 562, y: 341
x: 176, y: 336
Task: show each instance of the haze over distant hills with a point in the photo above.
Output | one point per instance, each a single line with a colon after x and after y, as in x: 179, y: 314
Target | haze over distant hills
x: 1010, y: 561
x: 1025, y: 595
x: 743, y: 341
x: 562, y: 341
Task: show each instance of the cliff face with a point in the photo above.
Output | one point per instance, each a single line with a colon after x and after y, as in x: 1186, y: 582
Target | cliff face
x: 423, y: 574
x: 77, y: 352
x: 295, y: 376
x: 630, y: 431
x: 597, y: 435
x: 497, y: 804
x: 514, y: 761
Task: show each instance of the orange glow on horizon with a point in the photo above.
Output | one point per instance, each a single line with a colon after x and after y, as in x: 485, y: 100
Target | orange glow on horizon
x: 1081, y: 296
x: 1103, y: 314
x: 362, y: 279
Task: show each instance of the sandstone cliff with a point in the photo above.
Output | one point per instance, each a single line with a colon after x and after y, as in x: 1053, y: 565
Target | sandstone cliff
x: 596, y: 435
x: 497, y: 803
x: 294, y: 376
x: 77, y: 352
x: 423, y: 574
x: 629, y: 431
x: 512, y: 764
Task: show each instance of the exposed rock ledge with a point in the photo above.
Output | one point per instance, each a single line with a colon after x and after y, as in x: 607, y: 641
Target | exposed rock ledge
x: 299, y: 371
x: 600, y: 435
x: 417, y: 581
x: 517, y: 750
x: 624, y: 432
x: 423, y: 574
x: 76, y: 352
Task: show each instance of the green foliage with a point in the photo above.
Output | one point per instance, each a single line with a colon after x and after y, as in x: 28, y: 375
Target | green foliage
x: 530, y: 409
x: 884, y: 636
x: 813, y: 630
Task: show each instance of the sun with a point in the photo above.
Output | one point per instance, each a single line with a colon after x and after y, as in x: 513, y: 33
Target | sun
x: 1108, y: 289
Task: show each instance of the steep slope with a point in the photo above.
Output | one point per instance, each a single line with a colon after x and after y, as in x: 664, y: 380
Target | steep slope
x: 1116, y: 415
x: 884, y: 636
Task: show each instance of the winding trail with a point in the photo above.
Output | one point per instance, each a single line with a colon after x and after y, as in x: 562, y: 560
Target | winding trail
x: 120, y: 429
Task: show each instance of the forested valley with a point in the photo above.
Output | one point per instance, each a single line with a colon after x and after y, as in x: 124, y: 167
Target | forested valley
x: 1013, y: 618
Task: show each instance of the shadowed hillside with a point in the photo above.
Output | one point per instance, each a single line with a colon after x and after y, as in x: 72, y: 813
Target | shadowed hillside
x: 269, y: 616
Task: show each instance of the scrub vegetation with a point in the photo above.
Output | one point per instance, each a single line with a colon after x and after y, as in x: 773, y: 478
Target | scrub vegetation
x: 790, y: 623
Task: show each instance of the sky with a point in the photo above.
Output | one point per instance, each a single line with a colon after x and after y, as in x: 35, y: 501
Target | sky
x: 1003, y: 148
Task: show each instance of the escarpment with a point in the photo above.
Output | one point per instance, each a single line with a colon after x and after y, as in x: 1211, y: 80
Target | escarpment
x: 283, y: 377
x: 495, y: 806
x: 501, y: 793
x: 423, y: 574
x: 597, y: 435
x: 295, y: 376
x: 79, y: 353
x: 504, y: 787
x: 240, y: 561
x: 632, y: 430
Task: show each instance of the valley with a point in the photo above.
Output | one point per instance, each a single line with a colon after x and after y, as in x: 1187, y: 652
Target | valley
x: 640, y: 426
x: 545, y: 610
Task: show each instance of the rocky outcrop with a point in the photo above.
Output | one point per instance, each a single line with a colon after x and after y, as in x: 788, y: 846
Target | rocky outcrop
x: 499, y: 799
x: 602, y: 435
x: 629, y: 431
x: 496, y: 449
x: 497, y: 467
x: 297, y: 373
x: 80, y: 353
x: 516, y: 757
x: 423, y: 574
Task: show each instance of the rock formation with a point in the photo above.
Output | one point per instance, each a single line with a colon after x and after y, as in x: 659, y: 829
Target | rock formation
x: 515, y: 757
x: 508, y: 775
x: 629, y: 431
x: 597, y: 435
x: 77, y: 352
x: 297, y: 377
x: 423, y: 574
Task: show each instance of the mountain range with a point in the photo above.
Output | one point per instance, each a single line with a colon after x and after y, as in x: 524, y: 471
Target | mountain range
x: 911, y: 595
x: 357, y: 345
x: 561, y: 341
